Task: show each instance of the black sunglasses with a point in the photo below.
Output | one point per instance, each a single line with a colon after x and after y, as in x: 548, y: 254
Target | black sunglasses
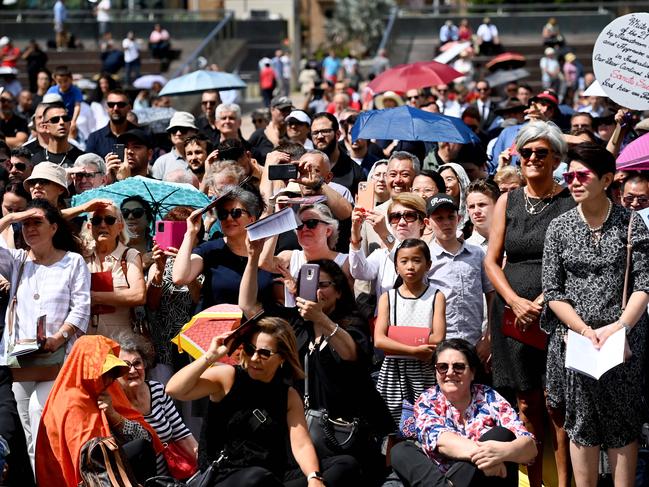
x: 97, y: 220
x: 457, y: 367
x: 408, y: 216
x: 19, y: 166
x: 263, y: 353
x: 208, y: 102
x: 235, y: 213
x: 85, y: 175
x: 182, y: 130
x: 136, y: 212
x: 57, y: 119
x: 311, y: 223
x: 118, y: 104
x: 540, y: 153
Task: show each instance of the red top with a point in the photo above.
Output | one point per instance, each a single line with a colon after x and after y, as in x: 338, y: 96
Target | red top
x: 267, y: 78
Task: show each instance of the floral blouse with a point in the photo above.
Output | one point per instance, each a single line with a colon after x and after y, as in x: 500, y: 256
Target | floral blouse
x: 434, y: 415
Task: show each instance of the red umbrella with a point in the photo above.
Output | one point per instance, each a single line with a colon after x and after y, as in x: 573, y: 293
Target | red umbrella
x: 506, y: 60
x: 413, y: 76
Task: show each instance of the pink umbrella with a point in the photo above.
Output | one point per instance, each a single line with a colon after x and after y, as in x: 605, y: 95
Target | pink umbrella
x: 635, y: 156
x: 412, y: 76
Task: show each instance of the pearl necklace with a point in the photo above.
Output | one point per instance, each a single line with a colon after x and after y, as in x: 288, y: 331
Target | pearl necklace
x: 596, y: 232
x: 533, y: 208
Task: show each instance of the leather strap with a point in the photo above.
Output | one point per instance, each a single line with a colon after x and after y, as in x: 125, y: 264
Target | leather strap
x: 627, y: 270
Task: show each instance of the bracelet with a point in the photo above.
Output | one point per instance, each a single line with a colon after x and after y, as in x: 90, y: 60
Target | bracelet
x: 334, y: 332
x: 356, y: 242
x: 584, y: 330
x: 153, y: 284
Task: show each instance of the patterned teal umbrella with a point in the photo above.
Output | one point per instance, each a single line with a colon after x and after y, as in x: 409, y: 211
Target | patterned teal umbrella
x: 161, y: 195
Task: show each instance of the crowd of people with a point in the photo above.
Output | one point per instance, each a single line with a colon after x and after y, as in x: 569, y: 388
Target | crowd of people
x: 390, y: 307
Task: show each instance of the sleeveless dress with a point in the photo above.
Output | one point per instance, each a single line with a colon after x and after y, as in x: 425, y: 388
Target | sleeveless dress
x: 516, y: 365
x: 248, y: 425
x: 405, y: 378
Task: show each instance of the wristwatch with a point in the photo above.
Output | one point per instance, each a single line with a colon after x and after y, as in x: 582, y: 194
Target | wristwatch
x: 65, y: 334
x: 389, y: 238
x: 314, y: 475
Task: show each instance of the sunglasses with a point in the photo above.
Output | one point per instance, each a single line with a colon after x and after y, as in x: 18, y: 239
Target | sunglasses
x: 18, y: 166
x: 58, y: 118
x: 85, y: 175
x: 118, y: 104
x: 408, y: 216
x: 540, y: 153
x: 457, y: 367
x: 481, y: 90
x: 235, y: 213
x: 208, y: 102
x: 137, y: 365
x: 642, y: 200
x: 263, y: 353
x: 311, y: 223
x: 182, y: 130
x: 98, y: 220
x: 41, y: 182
x: 136, y: 212
x: 581, y: 176
x: 416, y: 97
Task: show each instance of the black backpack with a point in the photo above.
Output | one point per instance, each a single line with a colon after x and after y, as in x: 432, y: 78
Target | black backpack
x: 102, y: 464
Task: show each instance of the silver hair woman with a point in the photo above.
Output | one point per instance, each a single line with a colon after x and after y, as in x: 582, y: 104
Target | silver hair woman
x: 521, y: 218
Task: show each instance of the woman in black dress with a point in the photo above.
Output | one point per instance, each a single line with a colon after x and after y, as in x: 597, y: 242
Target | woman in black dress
x: 520, y: 220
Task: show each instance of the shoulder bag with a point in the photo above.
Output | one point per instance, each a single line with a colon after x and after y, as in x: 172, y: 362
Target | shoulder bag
x: 138, y: 317
x: 330, y: 436
x: 180, y: 465
x: 37, y: 366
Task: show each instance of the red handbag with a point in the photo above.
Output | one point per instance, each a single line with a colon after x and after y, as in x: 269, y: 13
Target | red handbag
x: 180, y: 466
x: 533, y: 336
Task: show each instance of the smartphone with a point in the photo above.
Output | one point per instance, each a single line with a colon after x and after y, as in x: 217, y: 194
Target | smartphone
x: 119, y: 150
x: 41, y: 334
x: 282, y: 172
x: 309, y: 278
x: 366, y: 195
x: 170, y: 234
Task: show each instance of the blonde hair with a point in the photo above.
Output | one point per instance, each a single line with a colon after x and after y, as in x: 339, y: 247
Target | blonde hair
x: 411, y: 200
x: 324, y: 212
x: 508, y: 173
x: 283, y: 334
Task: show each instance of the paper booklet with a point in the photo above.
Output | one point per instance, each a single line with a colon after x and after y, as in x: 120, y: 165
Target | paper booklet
x: 583, y: 357
x: 306, y: 200
x: 31, y: 346
x: 274, y: 224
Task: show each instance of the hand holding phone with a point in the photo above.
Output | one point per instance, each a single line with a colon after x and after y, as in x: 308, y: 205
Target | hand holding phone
x: 308, y: 282
x: 119, y: 150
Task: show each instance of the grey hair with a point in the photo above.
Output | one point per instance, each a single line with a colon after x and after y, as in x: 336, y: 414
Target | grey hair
x: 324, y: 212
x: 90, y: 158
x: 179, y: 176
x: 125, y: 235
x: 321, y: 154
x: 228, y: 107
x: 251, y: 202
x: 402, y: 154
x: 229, y: 166
x: 134, y: 343
x: 539, y: 130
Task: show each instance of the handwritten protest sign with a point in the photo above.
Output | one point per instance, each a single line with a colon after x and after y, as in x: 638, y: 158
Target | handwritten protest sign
x: 621, y: 60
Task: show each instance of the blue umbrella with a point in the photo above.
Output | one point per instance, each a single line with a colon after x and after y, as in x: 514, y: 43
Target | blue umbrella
x: 407, y: 123
x: 200, y: 81
x: 161, y: 195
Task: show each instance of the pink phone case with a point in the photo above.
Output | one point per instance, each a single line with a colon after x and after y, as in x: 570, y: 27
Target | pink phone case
x: 170, y: 234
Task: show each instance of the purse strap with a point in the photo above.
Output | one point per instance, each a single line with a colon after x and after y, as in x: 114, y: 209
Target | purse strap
x: 11, y: 316
x: 306, y: 379
x: 627, y: 270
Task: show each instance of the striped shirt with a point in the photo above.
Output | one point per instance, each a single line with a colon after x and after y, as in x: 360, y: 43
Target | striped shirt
x: 165, y: 420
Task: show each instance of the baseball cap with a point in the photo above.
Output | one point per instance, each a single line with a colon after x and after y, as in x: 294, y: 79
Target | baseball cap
x: 440, y: 200
x: 281, y: 102
x: 52, y: 98
x: 547, y: 96
x: 300, y: 116
x: 138, y: 135
x: 4, y: 40
x: 182, y: 119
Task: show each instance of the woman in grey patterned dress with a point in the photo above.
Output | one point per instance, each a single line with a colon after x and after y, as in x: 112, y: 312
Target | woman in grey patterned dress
x: 521, y: 218
x: 583, y: 278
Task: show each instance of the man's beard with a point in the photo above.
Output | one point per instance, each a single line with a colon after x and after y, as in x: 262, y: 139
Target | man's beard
x: 118, y: 119
x: 200, y: 170
x: 330, y: 148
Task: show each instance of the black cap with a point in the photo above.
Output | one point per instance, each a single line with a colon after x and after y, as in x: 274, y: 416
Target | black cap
x: 440, y: 200
x: 281, y: 102
x: 136, y: 134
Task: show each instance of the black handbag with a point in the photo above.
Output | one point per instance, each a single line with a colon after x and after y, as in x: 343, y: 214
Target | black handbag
x: 330, y: 436
x: 102, y: 463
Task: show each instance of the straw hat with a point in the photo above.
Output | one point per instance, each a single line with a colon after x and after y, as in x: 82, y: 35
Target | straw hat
x: 388, y: 95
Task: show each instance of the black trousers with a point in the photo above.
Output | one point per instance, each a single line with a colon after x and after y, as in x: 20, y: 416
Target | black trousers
x: 339, y: 471
x: 141, y: 458
x: 415, y: 469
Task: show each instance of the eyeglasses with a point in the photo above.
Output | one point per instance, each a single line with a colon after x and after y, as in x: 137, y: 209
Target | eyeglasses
x: 581, y: 176
x: 58, y: 118
x: 315, y: 133
x: 137, y: 365
x: 311, y: 223
x: 456, y: 367
x: 325, y: 284
x: 235, y: 213
x: 408, y: 216
x: 85, y: 175
x: 415, y: 97
x: 18, y: 166
x: 118, y: 104
x: 540, y: 153
x: 98, y: 220
x: 630, y: 198
x: 136, y: 212
x: 182, y: 130
x: 263, y: 353
x: 6, y: 100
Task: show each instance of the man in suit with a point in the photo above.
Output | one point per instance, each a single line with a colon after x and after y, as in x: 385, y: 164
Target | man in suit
x: 485, y: 105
